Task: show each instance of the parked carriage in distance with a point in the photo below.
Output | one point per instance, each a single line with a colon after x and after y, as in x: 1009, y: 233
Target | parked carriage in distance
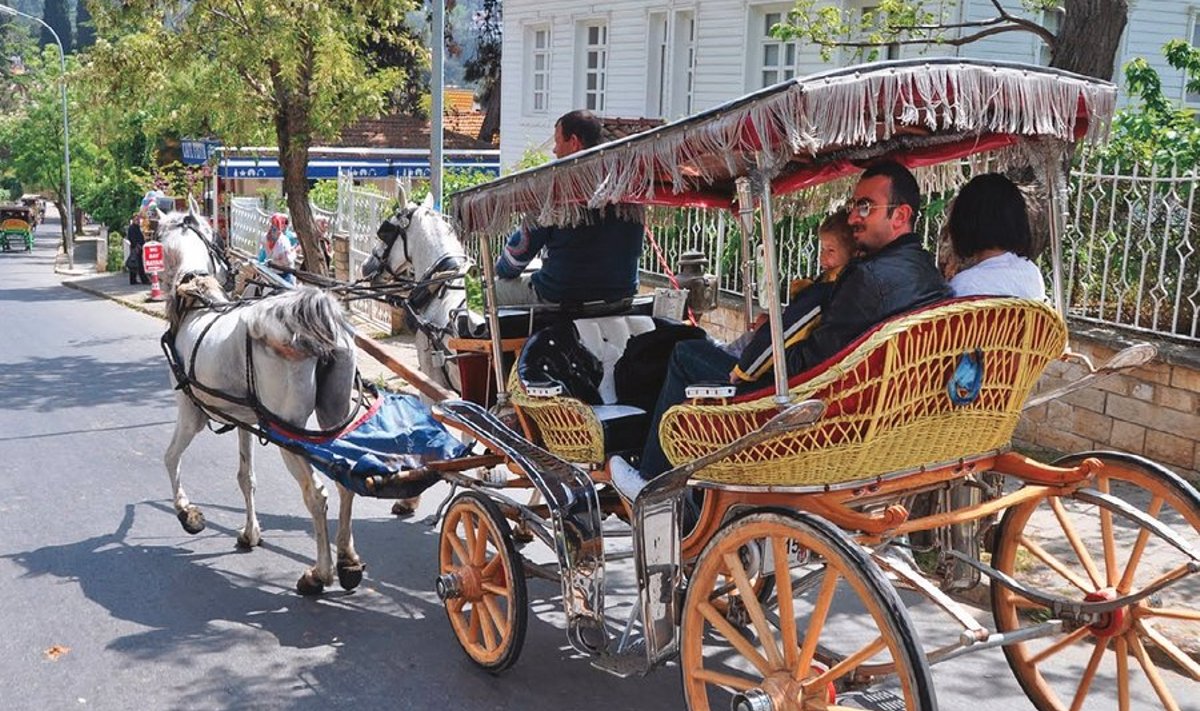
x: 16, y: 227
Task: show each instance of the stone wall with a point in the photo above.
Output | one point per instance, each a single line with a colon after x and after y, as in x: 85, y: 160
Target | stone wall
x: 1152, y: 411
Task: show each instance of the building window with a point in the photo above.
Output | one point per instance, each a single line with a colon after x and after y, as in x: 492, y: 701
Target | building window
x: 683, y: 63
x: 538, y: 44
x: 671, y: 51
x: 1052, y: 21
x: 657, y: 52
x: 1192, y: 97
x: 776, y: 58
x: 593, y: 74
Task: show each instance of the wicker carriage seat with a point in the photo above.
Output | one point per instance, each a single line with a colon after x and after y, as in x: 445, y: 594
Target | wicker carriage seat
x: 584, y: 421
x: 930, y: 386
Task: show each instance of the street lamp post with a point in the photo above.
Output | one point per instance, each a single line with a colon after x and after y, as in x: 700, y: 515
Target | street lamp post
x: 62, y: 59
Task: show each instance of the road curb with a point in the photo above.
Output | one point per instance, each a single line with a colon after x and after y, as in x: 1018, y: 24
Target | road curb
x: 79, y: 286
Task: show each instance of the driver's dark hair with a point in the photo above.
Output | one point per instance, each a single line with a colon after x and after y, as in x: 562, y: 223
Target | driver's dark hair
x: 904, y: 188
x: 582, y: 124
x: 989, y: 213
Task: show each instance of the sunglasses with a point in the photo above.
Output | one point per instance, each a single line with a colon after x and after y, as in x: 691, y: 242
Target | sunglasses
x: 863, y: 207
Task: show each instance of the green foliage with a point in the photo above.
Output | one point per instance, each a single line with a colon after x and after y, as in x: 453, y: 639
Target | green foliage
x: 116, y: 251
x: 112, y: 199
x: 1155, y: 131
x: 324, y: 194
x: 531, y: 158
x: 31, y: 139
x: 453, y: 180
x: 864, y: 32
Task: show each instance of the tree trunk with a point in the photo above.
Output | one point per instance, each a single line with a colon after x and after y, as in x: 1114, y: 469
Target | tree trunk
x: 491, y: 113
x: 293, y: 130
x: 1089, y: 37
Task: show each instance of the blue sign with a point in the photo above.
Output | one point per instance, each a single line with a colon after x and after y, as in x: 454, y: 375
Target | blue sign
x: 198, y: 151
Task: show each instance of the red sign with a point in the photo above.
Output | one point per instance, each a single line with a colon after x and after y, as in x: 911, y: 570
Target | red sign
x: 152, y: 257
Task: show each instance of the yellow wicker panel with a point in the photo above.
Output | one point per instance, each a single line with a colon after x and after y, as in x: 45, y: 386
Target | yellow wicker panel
x: 888, y: 409
x: 569, y: 428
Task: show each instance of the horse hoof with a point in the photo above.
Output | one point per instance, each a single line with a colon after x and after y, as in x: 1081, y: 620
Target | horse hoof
x: 244, y: 542
x: 350, y: 574
x: 404, y: 507
x: 309, y: 584
x: 192, y: 520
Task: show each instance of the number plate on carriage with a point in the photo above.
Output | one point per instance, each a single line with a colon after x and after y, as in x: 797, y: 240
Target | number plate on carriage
x: 797, y: 554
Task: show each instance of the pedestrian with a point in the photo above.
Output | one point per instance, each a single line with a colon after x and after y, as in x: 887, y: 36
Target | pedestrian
x: 137, y: 240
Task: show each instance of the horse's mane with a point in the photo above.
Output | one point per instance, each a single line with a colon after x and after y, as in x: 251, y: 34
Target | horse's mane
x: 195, y: 290
x: 174, y: 221
x: 306, y: 319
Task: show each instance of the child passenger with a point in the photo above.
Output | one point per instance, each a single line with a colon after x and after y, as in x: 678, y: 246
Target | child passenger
x: 694, y: 361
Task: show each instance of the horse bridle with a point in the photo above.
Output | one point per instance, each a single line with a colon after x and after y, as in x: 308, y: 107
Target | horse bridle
x: 398, y: 223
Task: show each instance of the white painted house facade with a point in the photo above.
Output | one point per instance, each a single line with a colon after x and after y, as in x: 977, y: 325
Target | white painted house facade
x: 670, y: 58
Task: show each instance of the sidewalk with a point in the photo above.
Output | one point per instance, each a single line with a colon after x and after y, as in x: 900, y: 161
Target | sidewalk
x: 115, y: 286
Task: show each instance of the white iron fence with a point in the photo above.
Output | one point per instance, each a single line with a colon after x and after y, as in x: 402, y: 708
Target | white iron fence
x: 1131, y: 250
x: 359, y: 213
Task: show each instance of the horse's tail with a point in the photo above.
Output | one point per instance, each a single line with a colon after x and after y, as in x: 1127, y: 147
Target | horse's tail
x: 305, y: 319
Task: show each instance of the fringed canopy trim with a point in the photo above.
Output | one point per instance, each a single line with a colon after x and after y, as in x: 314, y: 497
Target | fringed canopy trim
x: 806, y: 132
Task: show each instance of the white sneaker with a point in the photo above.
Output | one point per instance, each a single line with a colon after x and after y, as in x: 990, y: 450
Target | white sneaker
x: 627, y: 480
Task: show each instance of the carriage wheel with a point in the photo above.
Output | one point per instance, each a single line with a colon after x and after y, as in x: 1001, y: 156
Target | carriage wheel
x: 1074, y: 549
x: 482, y: 582
x: 794, y: 655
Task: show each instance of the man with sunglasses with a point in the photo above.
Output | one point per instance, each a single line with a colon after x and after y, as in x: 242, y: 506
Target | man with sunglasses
x: 893, y: 273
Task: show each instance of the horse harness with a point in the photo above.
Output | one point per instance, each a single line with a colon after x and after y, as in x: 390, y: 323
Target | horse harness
x: 187, y: 383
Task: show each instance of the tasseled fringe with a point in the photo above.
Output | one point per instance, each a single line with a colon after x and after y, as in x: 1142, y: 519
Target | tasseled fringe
x: 838, y: 113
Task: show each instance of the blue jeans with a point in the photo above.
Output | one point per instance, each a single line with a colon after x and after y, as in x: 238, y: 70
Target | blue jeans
x: 692, y: 362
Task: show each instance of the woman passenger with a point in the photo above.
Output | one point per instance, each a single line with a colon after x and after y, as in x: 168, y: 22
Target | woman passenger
x: 991, y: 241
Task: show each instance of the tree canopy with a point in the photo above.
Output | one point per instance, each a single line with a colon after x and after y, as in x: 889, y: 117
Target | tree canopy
x: 230, y: 67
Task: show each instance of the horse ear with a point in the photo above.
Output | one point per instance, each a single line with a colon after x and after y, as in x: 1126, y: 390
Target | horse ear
x: 193, y: 206
x: 427, y: 203
x: 401, y: 194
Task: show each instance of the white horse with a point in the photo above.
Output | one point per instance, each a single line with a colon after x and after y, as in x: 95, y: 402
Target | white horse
x: 280, y: 359
x: 419, y: 245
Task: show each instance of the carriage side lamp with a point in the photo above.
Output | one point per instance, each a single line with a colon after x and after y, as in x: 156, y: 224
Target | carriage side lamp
x: 701, y: 287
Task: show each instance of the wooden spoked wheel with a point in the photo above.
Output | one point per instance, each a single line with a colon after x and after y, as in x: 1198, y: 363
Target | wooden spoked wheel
x: 482, y: 582
x: 1143, y: 653
x: 833, y: 616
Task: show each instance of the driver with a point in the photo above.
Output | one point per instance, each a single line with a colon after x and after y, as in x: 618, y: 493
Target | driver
x: 596, y: 260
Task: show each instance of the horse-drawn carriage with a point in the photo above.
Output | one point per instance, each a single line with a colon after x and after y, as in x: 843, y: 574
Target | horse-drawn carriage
x: 776, y: 559
x: 16, y: 226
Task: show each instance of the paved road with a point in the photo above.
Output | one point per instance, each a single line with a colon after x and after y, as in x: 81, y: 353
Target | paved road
x: 108, y: 604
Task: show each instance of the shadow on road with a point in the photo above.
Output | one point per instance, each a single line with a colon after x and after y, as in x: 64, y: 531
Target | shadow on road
x: 47, y: 384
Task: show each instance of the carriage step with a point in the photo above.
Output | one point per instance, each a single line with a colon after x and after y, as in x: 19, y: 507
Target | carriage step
x: 631, y: 662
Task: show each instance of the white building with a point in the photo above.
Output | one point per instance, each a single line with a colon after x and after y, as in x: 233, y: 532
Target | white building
x: 670, y: 58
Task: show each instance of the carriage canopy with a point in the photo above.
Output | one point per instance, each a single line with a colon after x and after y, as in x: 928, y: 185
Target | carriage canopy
x: 805, y: 132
